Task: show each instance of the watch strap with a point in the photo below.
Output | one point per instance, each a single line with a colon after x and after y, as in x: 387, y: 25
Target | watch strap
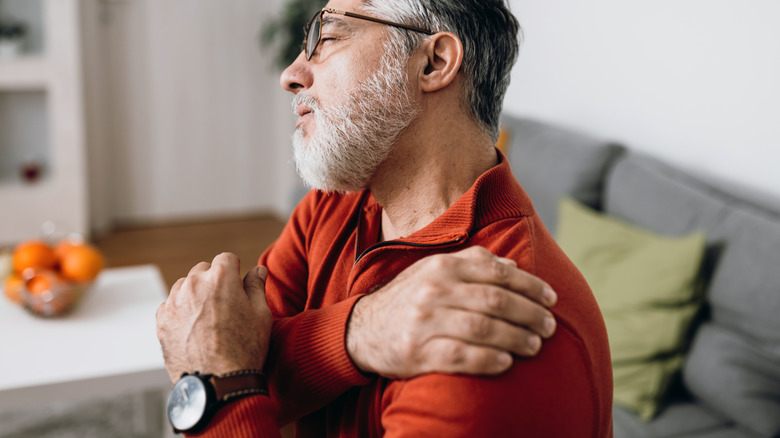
x: 237, y: 384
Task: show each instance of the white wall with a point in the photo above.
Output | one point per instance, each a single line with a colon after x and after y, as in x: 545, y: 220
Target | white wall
x: 186, y: 117
x: 695, y: 82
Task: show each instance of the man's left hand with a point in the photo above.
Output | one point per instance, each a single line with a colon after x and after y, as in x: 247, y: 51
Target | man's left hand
x: 213, y: 322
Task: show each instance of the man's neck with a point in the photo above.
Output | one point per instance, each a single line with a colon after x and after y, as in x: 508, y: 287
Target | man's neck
x: 426, y: 174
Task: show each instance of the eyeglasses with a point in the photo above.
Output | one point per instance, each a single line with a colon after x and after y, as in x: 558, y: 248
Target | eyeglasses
x: 314, y: 28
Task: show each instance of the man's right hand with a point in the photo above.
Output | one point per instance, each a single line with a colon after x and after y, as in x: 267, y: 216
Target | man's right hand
x: 465, y: 312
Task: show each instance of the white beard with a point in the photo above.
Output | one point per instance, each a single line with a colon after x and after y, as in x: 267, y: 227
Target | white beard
x: 356, y: 135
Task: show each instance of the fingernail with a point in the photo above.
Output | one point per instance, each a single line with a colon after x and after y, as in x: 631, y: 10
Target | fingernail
x: 534, y: 343
x: 550, y: 297
x: 504, y: 359
x: 549, y: 325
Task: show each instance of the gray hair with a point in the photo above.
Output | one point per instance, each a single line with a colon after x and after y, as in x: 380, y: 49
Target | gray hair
x: 490, y: 35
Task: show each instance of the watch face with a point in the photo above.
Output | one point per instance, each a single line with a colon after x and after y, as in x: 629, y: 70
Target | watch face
x: 187, y: 402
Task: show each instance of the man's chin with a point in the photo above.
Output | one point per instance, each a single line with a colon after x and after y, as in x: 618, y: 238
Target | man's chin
x: 329, y: 186
x: 340, y: 189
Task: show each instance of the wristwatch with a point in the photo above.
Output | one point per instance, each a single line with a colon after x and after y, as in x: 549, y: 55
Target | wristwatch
x: 196, y: 397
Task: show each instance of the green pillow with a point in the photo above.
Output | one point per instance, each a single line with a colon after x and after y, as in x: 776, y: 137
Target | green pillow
x: 636, y: 385
x: 646, y: 287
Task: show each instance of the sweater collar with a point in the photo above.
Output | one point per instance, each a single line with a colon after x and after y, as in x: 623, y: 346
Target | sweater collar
x: 495, y: 195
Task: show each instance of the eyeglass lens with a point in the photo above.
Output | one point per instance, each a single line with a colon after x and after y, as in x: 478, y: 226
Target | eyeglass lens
x: 313, y: 36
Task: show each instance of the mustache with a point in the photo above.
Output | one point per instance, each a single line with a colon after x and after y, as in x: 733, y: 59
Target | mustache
x: 303, y: 98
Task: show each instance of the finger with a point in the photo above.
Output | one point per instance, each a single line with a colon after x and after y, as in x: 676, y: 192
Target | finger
x: 481, y: 330
x: 502, y: 304
x: 450, y: 356
x: 175, y: 292
x: 492, y: 271
x: 254, y: 284
x: 227, y: 259
x: 177, y: 285
x: 200, y: 267
x: 507, y: 261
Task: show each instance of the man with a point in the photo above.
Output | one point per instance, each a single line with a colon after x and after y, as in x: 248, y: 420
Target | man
x: 406, y: 291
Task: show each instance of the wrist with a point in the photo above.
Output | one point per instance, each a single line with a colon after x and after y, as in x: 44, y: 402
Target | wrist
x: 195, y: 398
x: 354, y: 341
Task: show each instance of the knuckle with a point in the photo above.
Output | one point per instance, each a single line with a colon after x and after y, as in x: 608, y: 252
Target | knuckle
x: 482, y: 253
x: 201, y: 266
x: 440, y: 262
x: 451, y: 352
x: 228, y: 257
x: 406, y: 348
x: 500, y: 271
x: 418, y: 316
x: 480, y: 326
x: 476, y: 250
x: 429, y: 291
x: 496, y: 299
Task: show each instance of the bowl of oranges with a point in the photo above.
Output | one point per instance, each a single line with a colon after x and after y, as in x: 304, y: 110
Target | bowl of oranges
x: 50, y: 279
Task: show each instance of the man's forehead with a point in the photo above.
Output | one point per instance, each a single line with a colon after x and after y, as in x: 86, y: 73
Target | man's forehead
x: 346, y: 5
x: 331, y: 21
x: 339, y: 21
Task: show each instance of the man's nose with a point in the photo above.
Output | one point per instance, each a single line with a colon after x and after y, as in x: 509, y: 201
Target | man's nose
x: 297, y: 75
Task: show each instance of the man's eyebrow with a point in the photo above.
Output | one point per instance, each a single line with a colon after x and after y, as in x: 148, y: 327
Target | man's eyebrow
x: 338, y: 22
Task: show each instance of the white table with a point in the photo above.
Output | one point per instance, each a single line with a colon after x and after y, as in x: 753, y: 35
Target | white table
x: 106, y: 346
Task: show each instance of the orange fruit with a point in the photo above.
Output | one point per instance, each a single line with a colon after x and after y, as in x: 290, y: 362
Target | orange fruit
x: 62, y: 247
x: 61, y: 295
x: 33, y: 254
x: 38, y: 283
x: 81, y: 262
x: 13, y: 288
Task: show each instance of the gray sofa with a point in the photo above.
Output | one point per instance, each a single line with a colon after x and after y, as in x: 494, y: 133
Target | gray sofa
x: 730, y: 382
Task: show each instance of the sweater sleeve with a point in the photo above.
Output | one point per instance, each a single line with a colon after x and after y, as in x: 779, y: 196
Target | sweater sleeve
x: 251, y: 417
x: 308, y: 365
x: 551, y: 395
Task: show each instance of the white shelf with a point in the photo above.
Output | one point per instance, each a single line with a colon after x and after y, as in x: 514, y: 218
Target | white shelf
x: 29, y: 72
x: 53, y: 73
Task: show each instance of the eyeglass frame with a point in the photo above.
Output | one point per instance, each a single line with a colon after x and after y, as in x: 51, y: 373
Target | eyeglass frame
x: 310, y: 51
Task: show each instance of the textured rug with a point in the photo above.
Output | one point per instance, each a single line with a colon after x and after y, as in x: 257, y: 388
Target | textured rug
x: 133, y: 416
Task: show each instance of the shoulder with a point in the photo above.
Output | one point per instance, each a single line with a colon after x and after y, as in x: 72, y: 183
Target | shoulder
x: 557, y: 393
x: 565, y: 391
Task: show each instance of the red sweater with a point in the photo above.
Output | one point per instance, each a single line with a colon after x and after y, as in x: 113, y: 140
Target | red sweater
x: 328, y: 256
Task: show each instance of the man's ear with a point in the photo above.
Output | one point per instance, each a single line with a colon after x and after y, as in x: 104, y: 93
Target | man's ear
x: 443, y: 56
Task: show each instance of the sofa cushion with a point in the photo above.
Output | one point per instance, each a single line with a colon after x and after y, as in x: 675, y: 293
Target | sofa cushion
x: 737, y: 376
x: 744, y: 292
x: 550, y: 162
x: 681, y: 419
x: 646, y: 287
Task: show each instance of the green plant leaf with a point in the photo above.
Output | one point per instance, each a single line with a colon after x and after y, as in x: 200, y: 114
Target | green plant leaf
x: 284, y: 34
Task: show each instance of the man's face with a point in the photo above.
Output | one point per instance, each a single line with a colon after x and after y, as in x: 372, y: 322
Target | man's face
x: 352, y: 99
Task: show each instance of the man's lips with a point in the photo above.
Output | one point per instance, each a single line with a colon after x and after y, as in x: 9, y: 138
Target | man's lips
x: 302, y: 111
